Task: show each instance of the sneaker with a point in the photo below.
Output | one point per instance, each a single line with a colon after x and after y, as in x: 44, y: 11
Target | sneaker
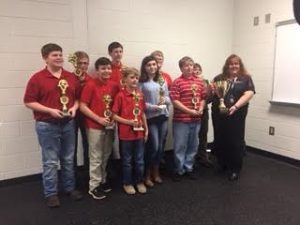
x: 75, y: 195
x: 191, y: 175
x: 97, y: 194
x: 129, y: 189
x: 105, y: 187
x: 141, y: 188
x: 52, y: 201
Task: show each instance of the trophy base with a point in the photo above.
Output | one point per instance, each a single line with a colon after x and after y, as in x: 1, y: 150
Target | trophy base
x: 110, y: 127
x: 224, y: 111
x: 138, y: 129
x: 66, y: 114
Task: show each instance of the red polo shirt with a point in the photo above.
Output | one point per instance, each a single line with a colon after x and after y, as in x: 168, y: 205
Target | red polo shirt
x: 123, y: 107
x: 92, y: 94
x: 116, y: 74
x: 86, y: 78
x: 42, y: 88
x: 167, y: 78
x: 181, y: 90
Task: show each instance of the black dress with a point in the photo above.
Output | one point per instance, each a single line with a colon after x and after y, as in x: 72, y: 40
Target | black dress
x: 229, y: 131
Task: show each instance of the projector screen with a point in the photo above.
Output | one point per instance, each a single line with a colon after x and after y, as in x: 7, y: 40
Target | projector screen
x: 286, y: 77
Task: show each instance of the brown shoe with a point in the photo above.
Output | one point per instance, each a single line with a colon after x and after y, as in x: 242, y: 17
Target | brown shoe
x: 157, y: 180
x: 149, y: 183
x: 129, y: 189
x: 141, y: 188
x: 52, y: 201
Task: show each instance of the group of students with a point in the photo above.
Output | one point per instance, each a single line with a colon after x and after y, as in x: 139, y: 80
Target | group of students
x: 136, y: 104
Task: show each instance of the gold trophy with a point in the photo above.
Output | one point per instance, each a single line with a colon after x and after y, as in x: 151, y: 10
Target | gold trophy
x: 64, y: 100
x: 107, y: 112
x: 222, y: 87
x: 161, y: 93
x: 195, y: 98
x: 136, y: 112
x: 73, y: 59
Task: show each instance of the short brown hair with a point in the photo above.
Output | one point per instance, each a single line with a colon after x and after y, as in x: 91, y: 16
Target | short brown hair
x: 114, y: 45
x: 183, y: 60
x: 50, y: 47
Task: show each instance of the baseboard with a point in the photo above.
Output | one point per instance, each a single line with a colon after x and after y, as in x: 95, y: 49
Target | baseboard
x: 272, y: 155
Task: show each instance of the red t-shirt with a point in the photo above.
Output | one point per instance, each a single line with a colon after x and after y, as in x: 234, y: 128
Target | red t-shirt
x: 43, y: 88
x: 92, y: 94
x: 123, y: 106
x: 181, y: 90
x: 167, y: 78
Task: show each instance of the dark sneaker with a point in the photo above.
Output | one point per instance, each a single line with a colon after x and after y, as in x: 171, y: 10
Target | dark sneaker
x: 105, y: 187
x: 75, y: 195
x: 52, y: 201
x: 191, y: 175
x: 97, y: 193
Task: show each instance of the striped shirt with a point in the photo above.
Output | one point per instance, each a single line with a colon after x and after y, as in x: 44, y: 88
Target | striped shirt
x: 182, y: 90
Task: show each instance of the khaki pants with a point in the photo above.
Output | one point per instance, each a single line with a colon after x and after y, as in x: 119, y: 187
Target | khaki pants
x: 100, y: 148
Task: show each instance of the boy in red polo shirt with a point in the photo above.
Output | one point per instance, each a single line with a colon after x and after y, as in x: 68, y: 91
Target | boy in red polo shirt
x: 52, y: 95
x: 95, y: 103
x: 128, y: 109
x: 115, y: 51
x: 188, y: 97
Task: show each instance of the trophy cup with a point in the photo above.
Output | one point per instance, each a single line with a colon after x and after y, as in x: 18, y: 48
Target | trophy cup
x: 73, y: 59
x: 222, y: 87
x: 64, y: 100
x: 195, y: 98
x: 136, y: 112
x: 107, y: 112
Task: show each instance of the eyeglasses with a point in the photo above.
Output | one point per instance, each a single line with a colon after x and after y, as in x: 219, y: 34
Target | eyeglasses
x: 83, y: 63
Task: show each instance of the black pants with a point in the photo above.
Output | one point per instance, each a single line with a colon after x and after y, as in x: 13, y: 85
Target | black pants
x: 229, y: 139
x: 203, y: 133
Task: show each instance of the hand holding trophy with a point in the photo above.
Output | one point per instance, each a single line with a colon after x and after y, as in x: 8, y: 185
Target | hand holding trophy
x: 221, y: 89
x: 107, y: 112
x: 136, y: 112
x: 64, y: 100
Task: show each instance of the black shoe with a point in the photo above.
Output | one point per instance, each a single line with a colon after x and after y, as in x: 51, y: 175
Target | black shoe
x: 97, y: 193
x: 105, y: 187
x: 177, y: 177
x: 233, y: 177
x: 191, y: 175
x: 75, y: 195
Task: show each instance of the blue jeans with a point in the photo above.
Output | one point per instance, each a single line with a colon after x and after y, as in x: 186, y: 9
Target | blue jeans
x: 57, y: 141
x: 158, y: 128
x: 132, y: 156
x: 185, y: 139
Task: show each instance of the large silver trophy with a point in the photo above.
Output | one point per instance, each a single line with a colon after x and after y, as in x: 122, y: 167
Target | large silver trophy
x: 221, y: 88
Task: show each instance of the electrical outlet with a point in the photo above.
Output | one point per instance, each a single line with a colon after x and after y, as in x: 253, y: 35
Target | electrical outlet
x: 271, y: 130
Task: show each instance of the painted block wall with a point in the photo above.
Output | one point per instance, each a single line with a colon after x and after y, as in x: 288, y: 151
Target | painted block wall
x: 201, y: 29
x: 256, y: 45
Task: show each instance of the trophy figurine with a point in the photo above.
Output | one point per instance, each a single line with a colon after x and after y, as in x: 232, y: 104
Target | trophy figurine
x: 136, y: 112
x: 195, y: 99
x: 64, y: 100
x: 73, y: 59
x: 107, y: 112
x: 222, y: 88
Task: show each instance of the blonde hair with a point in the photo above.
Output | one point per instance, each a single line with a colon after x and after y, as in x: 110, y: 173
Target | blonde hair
x: 157, y: 53
x: 126, y: 71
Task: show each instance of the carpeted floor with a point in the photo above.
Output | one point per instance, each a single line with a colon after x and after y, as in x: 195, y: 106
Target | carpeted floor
x: 268, y: 193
